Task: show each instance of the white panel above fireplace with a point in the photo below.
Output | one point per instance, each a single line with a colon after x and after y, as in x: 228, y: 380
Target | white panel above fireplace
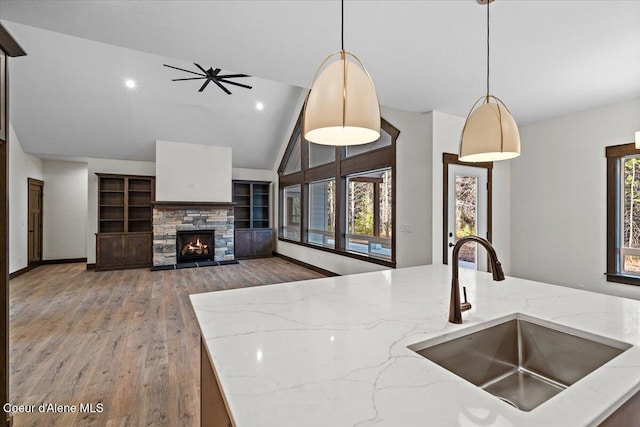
x: 192, y: 173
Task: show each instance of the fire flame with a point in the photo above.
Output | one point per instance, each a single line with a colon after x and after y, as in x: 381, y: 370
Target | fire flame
x: 196, y: 246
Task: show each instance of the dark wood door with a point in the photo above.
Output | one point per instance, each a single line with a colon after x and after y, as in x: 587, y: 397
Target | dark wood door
x: 138, y: 249
x: 243, y: 243
x: 36, y: 188
x: 110, y: 250
x: 263, y: 242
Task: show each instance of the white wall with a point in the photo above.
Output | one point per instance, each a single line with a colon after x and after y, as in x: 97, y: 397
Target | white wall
x: 192, y: 173
x: 446, y: 139
x: 21, y: 167
x: 558, y: 197
x: 65, y: 209
x: 414, y: 182
x: 244, y: 174
x: 413, y: 205
x: 107, y: 166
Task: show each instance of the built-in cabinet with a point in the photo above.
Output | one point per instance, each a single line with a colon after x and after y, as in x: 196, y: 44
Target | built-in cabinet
x: 252, y: 214
x: 125, y: 221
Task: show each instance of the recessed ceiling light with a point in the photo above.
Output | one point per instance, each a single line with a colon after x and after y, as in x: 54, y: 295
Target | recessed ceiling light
x: 259, y: 106
x: 130, y: 83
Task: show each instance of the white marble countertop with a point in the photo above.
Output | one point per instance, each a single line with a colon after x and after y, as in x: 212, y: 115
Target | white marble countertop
x: 333, y: 352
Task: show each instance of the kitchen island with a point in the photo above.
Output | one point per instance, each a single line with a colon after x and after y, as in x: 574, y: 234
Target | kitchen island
x: 334, y: 351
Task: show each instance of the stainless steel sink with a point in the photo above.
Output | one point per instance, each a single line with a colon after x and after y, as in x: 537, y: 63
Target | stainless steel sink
x: 522, y: 360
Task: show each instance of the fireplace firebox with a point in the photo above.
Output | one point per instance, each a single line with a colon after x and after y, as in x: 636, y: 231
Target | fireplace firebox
x: 193, y: 246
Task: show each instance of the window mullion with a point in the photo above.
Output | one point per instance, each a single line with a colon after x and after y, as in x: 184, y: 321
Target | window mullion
x: 341, y: 196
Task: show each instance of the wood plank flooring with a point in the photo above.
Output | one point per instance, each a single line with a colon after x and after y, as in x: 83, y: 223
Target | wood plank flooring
x: 128, y: 339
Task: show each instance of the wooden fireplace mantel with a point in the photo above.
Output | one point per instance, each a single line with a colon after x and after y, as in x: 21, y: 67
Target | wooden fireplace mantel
x: 179, y: 205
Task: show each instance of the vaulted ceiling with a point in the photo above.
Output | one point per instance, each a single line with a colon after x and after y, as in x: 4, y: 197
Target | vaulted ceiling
x: 549, y: 58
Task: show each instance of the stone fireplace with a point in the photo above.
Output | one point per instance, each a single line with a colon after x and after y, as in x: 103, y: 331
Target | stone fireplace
x: 181, y: 230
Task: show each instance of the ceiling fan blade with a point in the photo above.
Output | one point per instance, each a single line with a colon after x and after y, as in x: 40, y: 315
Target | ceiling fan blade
x: 222, y: 87
x: 188, y: 78
x: 182, y: 69
x: 234, y: 83
x: 198, y: 65
x: 204, y: 85
x: 215, y: 72
x: 232, y: 76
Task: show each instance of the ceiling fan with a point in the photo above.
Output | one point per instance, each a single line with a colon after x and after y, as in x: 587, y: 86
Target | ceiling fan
x: 212, y: 75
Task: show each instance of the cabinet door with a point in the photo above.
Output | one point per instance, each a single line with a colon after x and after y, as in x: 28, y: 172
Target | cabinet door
x: 138, y: 249
x: 243, y: 243
x: 262, y: 242
x: 110, y: 250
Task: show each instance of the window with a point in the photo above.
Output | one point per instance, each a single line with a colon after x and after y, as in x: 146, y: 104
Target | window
x: 322, y: 220
x: 290, y: 226
x: 623, y: 214
x: 321, y: 154
x: 293, y: 165
x: 369, y: 213
x: 340, y: 199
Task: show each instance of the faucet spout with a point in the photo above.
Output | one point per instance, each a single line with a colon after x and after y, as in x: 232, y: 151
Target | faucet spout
x: 455, y: 308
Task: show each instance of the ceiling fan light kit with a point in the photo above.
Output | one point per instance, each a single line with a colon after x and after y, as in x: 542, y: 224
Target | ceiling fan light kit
x: 342, y: 106
x: 490, y: 133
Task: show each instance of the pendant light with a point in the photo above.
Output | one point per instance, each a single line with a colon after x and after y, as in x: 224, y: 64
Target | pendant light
x: 342, y: 105
x: 489, y: 133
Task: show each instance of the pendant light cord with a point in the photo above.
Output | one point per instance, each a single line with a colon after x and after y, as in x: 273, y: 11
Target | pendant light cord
x: 342, y: 26
x: 488, y: 49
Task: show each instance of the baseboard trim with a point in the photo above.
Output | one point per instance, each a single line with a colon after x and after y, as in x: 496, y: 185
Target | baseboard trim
x: 20, y: 272
x: 63, y: 261
x: 307, y: 265
x: 91, y: 266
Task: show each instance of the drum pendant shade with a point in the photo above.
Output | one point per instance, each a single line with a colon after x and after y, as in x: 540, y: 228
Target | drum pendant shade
x: 342, y: 107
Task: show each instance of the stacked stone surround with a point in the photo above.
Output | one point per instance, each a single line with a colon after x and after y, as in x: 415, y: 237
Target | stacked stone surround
x: 168, y: 220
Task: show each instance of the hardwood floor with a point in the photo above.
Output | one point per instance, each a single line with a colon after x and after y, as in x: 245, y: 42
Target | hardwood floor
x: 127, y: 339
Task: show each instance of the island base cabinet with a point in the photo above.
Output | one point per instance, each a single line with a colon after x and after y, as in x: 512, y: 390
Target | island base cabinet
x: 628, y: 415
x: 213, y: 411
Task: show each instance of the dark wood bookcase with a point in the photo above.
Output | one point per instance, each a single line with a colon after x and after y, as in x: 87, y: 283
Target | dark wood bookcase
x: 252, y: 212
x: 125, y: 221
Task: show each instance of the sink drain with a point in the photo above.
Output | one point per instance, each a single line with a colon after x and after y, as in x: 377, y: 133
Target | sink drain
x: 508, y: 401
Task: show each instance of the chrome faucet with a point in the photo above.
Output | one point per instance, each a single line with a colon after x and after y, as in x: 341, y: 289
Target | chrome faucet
x: 455, y: 308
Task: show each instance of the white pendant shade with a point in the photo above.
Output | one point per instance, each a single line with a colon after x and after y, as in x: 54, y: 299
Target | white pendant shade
x: 638, y: 139
x: 489, y: 134
x: 342, y: 107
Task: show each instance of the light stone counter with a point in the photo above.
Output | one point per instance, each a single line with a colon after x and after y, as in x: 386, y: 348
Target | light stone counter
x: 333, y: 352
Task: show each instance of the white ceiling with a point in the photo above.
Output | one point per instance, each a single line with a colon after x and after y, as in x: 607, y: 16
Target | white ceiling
x: 549, y: 58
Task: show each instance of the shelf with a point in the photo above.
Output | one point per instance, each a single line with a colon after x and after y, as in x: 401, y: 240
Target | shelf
x: 140, y: 206
x: 111, y: 220
x: 140, y: 219
x: 112, y: 206
x: 140, y: 191
x: 112, y: 191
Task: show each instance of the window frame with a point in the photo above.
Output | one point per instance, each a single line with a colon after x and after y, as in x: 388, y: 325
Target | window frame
x: 324, y: 233
x: 338, y: 169
x: 614, y: 155
x: 375, y: 238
